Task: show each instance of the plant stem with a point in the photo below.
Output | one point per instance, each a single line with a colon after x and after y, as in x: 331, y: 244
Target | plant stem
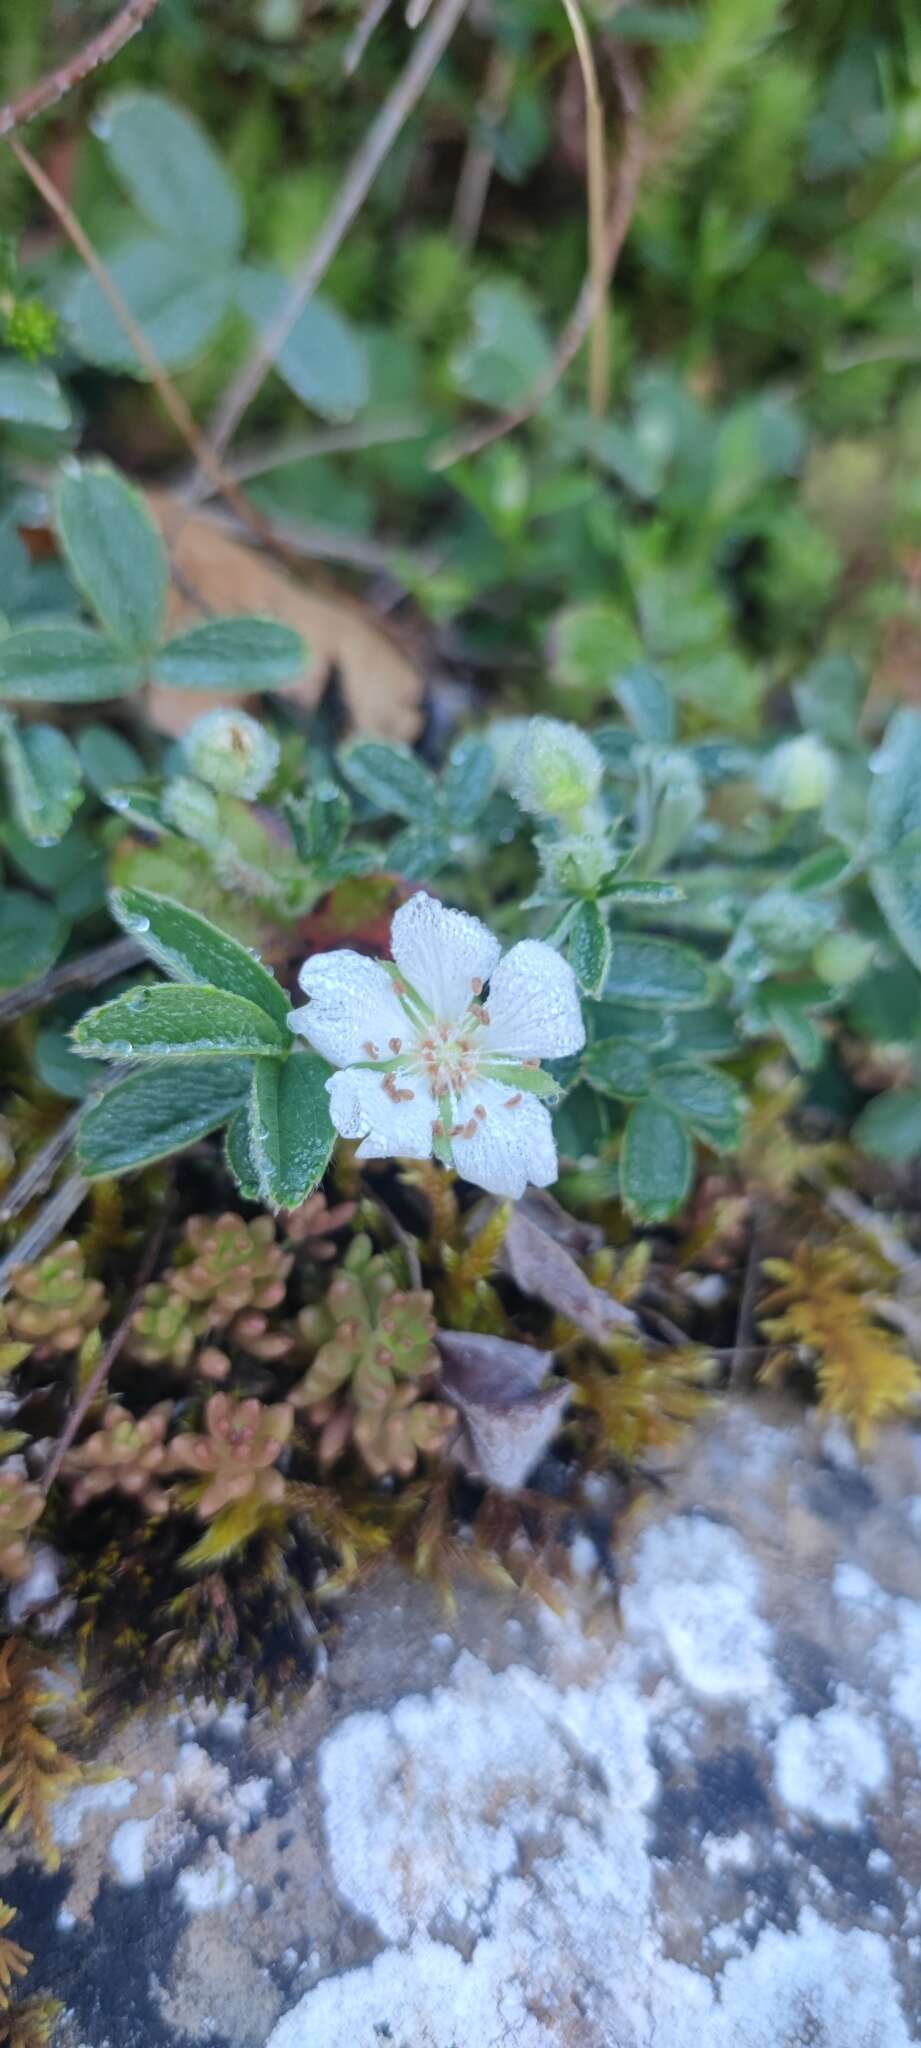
x: 599, y: 375
x: 100, y: 964
x: 98, y: 51
x: 44, y: 1228
x: 353, y: 192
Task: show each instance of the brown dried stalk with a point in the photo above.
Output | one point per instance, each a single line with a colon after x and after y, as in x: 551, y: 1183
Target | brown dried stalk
x: 595, y: 285
x: 350, y: 198
x: 98, y: 51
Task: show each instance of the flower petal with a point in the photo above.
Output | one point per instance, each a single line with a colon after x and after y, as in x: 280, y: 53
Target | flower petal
x: 352, y: 1008
x: 508, y: 1147
x: 534, y: 1008
x: 365, y: 1105
x: 442, y: 952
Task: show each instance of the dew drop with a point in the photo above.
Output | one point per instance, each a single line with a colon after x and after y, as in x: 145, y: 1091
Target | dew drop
x: 134, y: 919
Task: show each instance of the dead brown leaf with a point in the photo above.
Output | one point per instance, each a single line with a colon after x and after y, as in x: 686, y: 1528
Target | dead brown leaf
x: 381, y: 685
x: 540, y: 1265
x: 509, y: 1415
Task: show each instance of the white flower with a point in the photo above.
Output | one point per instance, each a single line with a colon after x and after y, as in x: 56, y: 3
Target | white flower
x: 442, y: 1047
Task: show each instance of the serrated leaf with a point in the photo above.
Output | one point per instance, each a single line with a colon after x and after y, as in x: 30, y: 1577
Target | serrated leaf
x: 242, y: 653
x: 656, y: 971
x: 711, y: 1102
x: 509, y: 350
x: 31, y: 397
x: 157, y: 1111
x: 323, y: 360
x: 189, y: 948
x: 615, y: 1066
x: 291, y: 1134
x: 896, y: 884
x: 894, y: 803
x: 788, y: 1014
x: 589, y: 948
x: 43, y: 776
x: 656, y: 1162
x: 179, y: 1020
x: 392, y: 778
x: 64, y: 664
x: 178, y: 305
x: 115, y: 553
x: 319, y: 821
x: 168, y: 167
x: 31, y: 936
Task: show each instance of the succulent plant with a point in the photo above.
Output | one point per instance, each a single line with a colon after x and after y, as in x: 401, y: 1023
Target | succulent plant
x: 53, y: 1306
x: 236, y: 1452
x: 123, y: 1456
x: 227, y: 1264
x: 374, y: 1360
x: 12, y: 1352
x: 165, y: 1329
x: 21, y: 1503
x: 310, y: 1224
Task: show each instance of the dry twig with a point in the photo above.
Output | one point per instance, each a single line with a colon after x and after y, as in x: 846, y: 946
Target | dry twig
x: 600, y: 355
x: 480, y: 158
x: 100, y: 964
x: 98, y: 51
x: 352, y: 193
x: 627, y: 180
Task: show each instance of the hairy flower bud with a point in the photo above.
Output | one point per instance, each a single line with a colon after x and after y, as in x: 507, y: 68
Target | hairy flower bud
x: 231, y: 751
x: 191, y: 808
x: 798, y: 774
x: 559, y: 770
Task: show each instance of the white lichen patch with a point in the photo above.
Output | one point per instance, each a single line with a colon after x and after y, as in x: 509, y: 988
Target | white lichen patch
x: 696, y: 1588
x: 70, y: 1815
x: 827, y: 1766
x: 211, y: 1885
x: 816, y: 1988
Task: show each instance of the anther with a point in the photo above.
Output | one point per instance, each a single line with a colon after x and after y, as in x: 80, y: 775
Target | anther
x: 480, y: 1112
x: 370, y: 1049
x: 477, y: 985
x: 513, y: 1102
x: 396, y: 1044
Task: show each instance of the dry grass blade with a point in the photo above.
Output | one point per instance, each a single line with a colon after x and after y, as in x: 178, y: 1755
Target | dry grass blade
x: 599, y: 362
x: 98, y: 51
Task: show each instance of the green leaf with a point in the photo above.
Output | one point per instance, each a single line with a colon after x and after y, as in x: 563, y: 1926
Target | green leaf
x: 788, y: 1014
x: 323, y: 361
x: 178, y: 305
x: 419, y: 851
x: 31, y: 936
x: 242, y: 653
x: 43, y: 773
x: 712, y: 1103
x: 391, y: 778
x: 63, y: 664
x: 896, y: 884
x: 238, y: 1148
x: 107, y: 759
x: 176, y: 180
x: 179, y: 1020
x: 890, y: 1126
x: 188, y: 947
x: 642, y: 24
x: 656, y: 971
x: 645, y: 703
x: 640, y: 1026
x: 157, y: 1111
x: 829, y: 698
x: 291, y: 1133
x: 467, y: 781
x: 31, y: 397
x: 115, y: 553
x: 656, y: 1162
x: 589, y: 948
x: 616, y: 1067
x: 894, y: 805
x: 508, y: 352
x: 593, y: 644
x: 319, y: 821
x: 60, y: 1068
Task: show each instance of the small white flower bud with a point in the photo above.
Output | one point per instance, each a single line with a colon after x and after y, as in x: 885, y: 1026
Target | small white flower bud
x: 798, y: 774
x: 843, y: 957
x: 575, y: 864
x: 231, y: 752
x: 559, y: 770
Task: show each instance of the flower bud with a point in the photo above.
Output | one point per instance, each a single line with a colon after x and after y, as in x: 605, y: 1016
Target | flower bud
x: 574, y: 865
x: 798, y: 774
x: 192, y: 809
x: 559, y: 770
x: 231, y: 751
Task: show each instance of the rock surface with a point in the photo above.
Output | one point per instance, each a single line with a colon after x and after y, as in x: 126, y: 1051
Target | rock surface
x: 693, y: 1825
